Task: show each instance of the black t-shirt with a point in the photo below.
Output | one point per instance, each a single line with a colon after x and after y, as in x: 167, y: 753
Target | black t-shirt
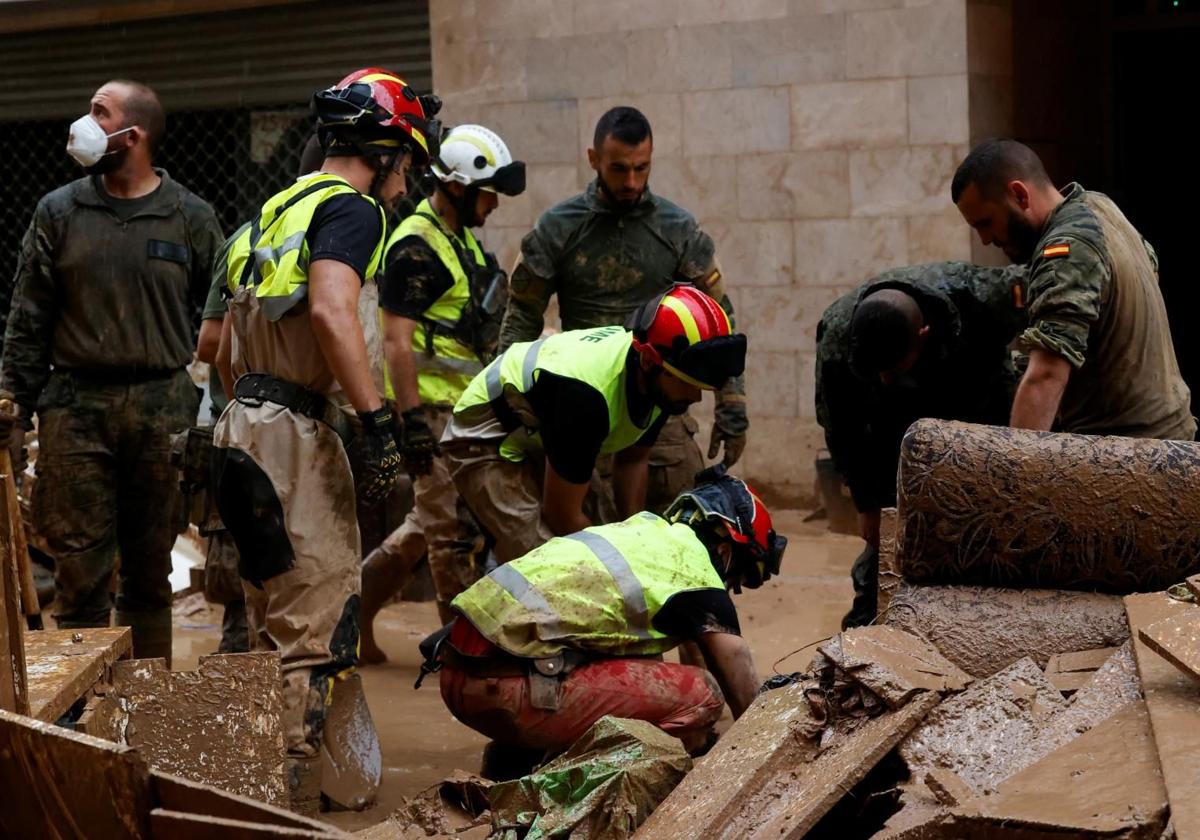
x: 573, y: 418
x: 345, y: 228
x: 414, y: 278
x: 687, y: 615
x: 125, y: 208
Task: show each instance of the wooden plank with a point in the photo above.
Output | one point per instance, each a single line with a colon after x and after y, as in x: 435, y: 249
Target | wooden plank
x: 175, y: 793
x: 1177, y: 640
x: 1173, y: 700
x: 62, y: 670
x: 14, y: 695
x: 59, y: 783
x: 173, y: 825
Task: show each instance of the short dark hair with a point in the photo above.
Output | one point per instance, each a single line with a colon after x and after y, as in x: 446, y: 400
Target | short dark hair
x: 993, y: 164
x: 883, y: 331
x: 143, y: 109
x: 629, y: 125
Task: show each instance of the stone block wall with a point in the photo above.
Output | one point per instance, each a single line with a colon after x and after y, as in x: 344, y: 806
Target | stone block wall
x: 814, y: 139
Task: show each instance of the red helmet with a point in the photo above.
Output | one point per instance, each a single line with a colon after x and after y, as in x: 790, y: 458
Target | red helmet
x: 375, y: 111
x: 689, y: 334
x: 721, y: 499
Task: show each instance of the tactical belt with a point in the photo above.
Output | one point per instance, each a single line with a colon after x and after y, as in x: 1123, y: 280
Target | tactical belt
x: 258, y: 388
x: 117, y: 376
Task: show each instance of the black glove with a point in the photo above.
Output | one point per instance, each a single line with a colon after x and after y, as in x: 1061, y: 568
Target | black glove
x: 380, y: 458
x: 418, y: 445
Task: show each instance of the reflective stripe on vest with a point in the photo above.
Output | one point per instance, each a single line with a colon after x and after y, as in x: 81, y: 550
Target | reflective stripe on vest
x: 443, y: 376
x: 597, y: 357
x: 556, y: 597
x: 280, y: 253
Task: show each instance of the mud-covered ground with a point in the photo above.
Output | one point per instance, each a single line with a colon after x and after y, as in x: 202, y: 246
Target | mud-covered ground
x: 422, y: 743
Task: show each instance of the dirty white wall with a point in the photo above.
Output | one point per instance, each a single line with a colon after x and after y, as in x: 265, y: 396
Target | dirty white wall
x: 814, y: 139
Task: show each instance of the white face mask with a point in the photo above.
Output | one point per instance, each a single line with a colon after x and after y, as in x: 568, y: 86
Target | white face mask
x: 87, y: 142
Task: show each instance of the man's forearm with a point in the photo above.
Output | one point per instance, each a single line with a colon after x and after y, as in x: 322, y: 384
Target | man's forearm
x: 333, y: 312
x: 1040, y: 392
x: 401, y: 361
x: 729, y: 660
x: 629, y: 480
x: 224, y: 359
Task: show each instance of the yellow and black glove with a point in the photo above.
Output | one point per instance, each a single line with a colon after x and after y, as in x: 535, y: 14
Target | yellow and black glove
x: 418, y: 444
x: 380, y: 458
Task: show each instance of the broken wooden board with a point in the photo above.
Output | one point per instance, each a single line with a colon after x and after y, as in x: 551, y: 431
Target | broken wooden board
x: 893, y: 664
x: 777, y: 730
x: 219, y: 725
x: 1193, y: 585
x: 178, y: 826
x: 1071, y: 671
x: 59, y: 783
x: 1177, y: 640
x: 1173, y: 700
x: 174, y: 793
x: 14, y: 696
x: 1105, y: 783
x: 61, y: 670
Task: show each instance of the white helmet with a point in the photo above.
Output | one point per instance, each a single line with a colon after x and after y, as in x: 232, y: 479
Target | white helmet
x: 472, y: 155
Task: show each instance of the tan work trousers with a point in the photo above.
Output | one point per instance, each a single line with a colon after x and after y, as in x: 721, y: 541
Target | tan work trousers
x: 306, y: 605
x: 434, y: 526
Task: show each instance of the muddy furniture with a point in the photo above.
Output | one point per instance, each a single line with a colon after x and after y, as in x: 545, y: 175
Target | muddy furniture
x: 65, y: 665
x: 1010, y: 507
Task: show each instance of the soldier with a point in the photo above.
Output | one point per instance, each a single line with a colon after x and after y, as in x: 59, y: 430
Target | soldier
x: 543, y: 647
x: 304, y: 391
x: 439, y: 293
x: 110, y: 283
x: 1101, y: 360
x: 525, y: 435
x: 606, y: 252
x: 922, y: 341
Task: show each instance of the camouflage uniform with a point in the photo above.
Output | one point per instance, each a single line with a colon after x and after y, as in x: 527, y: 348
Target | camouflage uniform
x: 107, y: 300
x: 965, y: 372
x: 1094, y: 300
x: 603, y: 264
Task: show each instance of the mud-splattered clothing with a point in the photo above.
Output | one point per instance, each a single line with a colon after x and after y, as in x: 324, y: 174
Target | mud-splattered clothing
x: 603, y: 263
x: 104, y: 317
x: 965, y: 370
x: 1094, y: 300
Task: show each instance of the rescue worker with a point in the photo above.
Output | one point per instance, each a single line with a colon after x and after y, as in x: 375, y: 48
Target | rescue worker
x: 525, y: 435
x: 921, y: 341
x: 222, y: 583
x: 441, y: 297
x: 543, y: 647
x: 304, y: 389
x: 607, y: 251
x: 110, y: 282
x: 1101, y: 359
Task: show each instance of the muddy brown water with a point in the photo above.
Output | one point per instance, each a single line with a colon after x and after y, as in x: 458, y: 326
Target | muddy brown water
x: 422, y: 743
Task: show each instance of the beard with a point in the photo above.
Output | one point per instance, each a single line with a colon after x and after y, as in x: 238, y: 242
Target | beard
x: 619, y: 202
x: 109, y: 163
x: 1022, y: 238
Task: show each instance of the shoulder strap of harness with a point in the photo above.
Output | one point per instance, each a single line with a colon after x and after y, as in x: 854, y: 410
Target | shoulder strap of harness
x: 257, y: 230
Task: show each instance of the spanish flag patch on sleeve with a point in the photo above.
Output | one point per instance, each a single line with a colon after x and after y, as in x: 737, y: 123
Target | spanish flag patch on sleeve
x: 1062, y: 249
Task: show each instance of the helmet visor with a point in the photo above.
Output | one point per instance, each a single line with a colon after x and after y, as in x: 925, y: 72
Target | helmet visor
x: 507, y: 180
x: 709, y: 364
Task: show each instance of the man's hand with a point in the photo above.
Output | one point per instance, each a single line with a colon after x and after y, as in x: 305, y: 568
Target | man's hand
x: 735, y: 445
x: 12, y: 433
x: 418, y: 445
x: 868, y: 527
x: 380, y: 459
x: 1040, y: 391
x: 729, y: 427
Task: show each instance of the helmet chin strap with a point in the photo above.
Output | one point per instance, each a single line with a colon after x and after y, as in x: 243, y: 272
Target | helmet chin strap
x: 464, y: 205
x: 383, y: 168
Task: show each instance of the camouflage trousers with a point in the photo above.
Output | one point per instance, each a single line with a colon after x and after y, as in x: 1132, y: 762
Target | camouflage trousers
x: 286, y: 494
x: 106, y: 487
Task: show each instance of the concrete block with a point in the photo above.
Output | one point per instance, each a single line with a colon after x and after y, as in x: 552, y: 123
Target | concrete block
x: 725, y: 11
x: 771, y: 384
x: 935, y: 238
x: 663, y: 110
x: 781, y: 451
x: 938, y: 110
x: 791, y: 51
x: 845, y: 253
x: 478, y: 72
x: 976, y: 734
x: 854, y: 114
x: 806, y: 364
x: 679, y: 59
x: 592, y: 18
x: 707, y: 187
x: 515, y: 20
x: 735, y: 122
x: 218, y: 725
x: 928, y: 40
x: 1072, y: 671
x: 893, y: 664
x: 794, y: 185
x: 808, y: 7
x: 754, y: 253
x: 909, y: 181
x: 568, y: 68
x: 1173, y: 700
x: 782, y: 318
x: 985, y: 629
x: 547, y: 185
x: 1177, y: 640
x: 535, y: 132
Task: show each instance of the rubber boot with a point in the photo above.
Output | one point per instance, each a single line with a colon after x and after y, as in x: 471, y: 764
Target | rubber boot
x: 304, y: 784
x: 235, y: 633
x: 383, y: 575
x: 151, y: 633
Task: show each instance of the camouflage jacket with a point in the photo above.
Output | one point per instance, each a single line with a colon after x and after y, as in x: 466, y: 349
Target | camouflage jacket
x: 965, y: 371
x: 604, y: 263
x: 100, y: 293
x: 1094, y: 301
